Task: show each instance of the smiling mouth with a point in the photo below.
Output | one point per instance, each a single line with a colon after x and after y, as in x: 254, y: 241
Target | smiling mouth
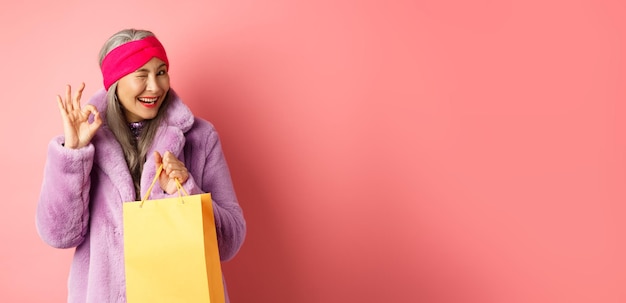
x: 150, y: 100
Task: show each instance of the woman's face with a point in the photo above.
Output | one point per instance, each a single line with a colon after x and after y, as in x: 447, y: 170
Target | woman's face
x: 142, y: 92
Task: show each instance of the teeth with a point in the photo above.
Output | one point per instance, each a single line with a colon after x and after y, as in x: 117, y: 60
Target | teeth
x: 148, y: 100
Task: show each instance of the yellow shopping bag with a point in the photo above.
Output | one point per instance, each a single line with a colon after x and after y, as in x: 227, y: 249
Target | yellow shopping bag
x: 170, y: 249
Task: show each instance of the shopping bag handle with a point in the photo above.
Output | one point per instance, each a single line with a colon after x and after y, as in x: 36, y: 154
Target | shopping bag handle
x: 156, y: 177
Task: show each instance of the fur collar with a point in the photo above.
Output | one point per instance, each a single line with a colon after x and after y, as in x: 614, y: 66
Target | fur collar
x: 170, y: 136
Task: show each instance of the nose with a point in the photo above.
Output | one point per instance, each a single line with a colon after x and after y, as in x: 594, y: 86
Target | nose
x: 152, y: 85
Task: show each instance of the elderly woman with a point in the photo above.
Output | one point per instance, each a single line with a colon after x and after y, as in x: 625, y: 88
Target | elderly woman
x: 108, y: 155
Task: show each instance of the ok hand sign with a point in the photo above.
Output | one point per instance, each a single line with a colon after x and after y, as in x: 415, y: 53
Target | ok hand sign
x: 78, y: 131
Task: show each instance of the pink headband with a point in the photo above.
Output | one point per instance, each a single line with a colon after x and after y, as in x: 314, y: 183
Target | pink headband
x: 129, y: 57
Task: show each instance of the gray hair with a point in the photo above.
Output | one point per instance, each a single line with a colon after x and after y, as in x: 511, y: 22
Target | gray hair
x: 135, y: 150
x: 121, y: 37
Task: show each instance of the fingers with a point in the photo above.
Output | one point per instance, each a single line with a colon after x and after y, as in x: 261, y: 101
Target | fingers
x: 74, y: 101
x: 97, y: 122
x: 171, y: 163
x: 69, y: 106
x: 70, y: 103
x: 179, y: 173
x: 90, y: 109
x: 174, y: 168
x: 61, y: 105
x: 78, y: 95
x: 63, y: 109
x: 158, y: 160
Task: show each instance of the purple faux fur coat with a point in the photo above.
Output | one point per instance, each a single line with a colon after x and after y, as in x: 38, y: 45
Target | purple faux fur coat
x: 81, y: 198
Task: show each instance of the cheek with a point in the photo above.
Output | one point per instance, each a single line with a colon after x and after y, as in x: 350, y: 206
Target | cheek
x: 128, y: 88
x: 164, y: 82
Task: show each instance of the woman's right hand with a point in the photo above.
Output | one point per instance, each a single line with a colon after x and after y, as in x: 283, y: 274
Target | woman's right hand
x: 78, y: 131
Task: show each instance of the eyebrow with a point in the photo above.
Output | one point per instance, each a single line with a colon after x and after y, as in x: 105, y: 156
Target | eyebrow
x: 146, y: 70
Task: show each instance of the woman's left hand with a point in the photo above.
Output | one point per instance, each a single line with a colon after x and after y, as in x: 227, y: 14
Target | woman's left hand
x: 172, y: 169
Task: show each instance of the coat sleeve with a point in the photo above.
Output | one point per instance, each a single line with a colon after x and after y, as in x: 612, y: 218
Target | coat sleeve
x: 216, y: 179
x: 62, y: 215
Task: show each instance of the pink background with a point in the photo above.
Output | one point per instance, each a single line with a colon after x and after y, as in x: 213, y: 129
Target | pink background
x: 383, y: 151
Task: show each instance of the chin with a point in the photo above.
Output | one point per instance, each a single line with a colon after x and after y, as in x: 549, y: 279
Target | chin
x: 149, y: 117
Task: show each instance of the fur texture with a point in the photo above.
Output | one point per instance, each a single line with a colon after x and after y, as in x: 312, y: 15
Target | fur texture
x: 81, y: 198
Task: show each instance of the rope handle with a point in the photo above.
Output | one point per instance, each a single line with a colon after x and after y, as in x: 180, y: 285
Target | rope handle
x: 156, y: 177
